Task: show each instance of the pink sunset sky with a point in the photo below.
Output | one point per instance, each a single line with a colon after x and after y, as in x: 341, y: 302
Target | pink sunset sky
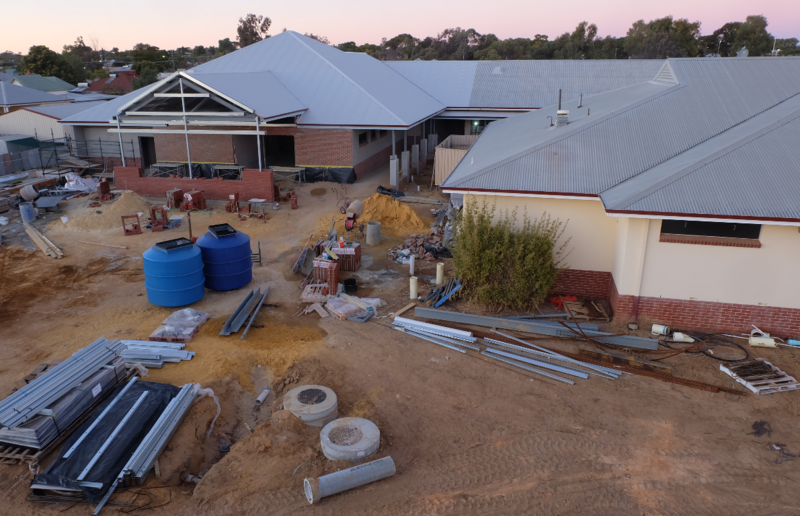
x: 170, y: 24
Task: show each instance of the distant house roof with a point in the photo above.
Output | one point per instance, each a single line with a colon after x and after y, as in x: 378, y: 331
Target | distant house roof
x: 37, y: 82
x: 6, y: 77
x: 119, y: 83
x: 61, y: 111
x: 522, y: 84
x: 709, y: 138
x: 11, y: 95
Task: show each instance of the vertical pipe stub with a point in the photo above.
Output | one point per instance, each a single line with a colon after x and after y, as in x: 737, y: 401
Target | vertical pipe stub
x: 413, y: 288
x: 439, y: 273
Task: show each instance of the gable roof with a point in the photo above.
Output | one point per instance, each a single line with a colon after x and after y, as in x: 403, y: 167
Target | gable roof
x: 525, y: 84
x: 103, y: 113
x: 637, y: 136
x: 122, y: 83
x: 60, y: 111
x: 12, y: 95
x: 37, y: 82
x: 339, y: 88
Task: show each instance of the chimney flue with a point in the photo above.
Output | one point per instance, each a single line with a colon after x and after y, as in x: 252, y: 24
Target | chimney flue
x: 559, y: 99
x: 562, y: 118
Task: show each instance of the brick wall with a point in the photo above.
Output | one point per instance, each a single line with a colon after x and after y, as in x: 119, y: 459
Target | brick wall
x: 377, y: 160
x: 591, y: 284
x: 253, y: 185
x: 323, y: 147
x: 205, y: 148
x: 707, y: 315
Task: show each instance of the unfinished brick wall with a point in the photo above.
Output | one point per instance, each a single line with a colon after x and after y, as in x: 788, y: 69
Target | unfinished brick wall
x: 254, y: 184
x: 591, y: 284
x: 707, y: 315
x: 205, y: 148
x: 323, y: 147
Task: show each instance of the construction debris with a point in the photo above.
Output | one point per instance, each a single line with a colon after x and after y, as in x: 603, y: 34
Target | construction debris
x: 237, y: 318
x: 153, y: 354
x: 42, y: 242
x: 423, y: 247
x: 760, y: 376
x: 438, y: 295
x: 180, y: 327
x: 630, y: 361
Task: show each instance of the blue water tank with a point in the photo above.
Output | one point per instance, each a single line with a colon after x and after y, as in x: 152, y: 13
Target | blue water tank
x: 173, y: 273
x: 227, y: 257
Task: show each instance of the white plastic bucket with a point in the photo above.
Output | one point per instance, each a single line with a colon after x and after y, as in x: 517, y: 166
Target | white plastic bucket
x: 659, y: 329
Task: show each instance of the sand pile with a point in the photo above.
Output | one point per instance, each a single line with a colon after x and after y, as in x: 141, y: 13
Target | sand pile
x: 110, y: 216
x: 395, y: 217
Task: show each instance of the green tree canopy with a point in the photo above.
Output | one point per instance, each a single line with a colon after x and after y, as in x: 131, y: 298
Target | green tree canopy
x: 226, y: 46
x: 252, y: 29
x: 46, y: 62
x: 753, y: 35
x: 662, y: 38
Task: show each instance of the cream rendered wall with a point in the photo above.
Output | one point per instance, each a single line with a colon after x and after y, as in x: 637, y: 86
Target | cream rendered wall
x: 94, y: 134
x: 30, y: 123
x: 768, y: 275
x: 593, y: 234
x: 629, y: 254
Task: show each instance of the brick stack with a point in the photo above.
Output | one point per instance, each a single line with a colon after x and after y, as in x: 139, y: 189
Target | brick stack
x: 326, y: 271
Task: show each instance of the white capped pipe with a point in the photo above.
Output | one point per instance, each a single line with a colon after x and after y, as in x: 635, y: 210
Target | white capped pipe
x: 439, y: 273
x: 411, y: 265
x: 413, y: 288
x: 317, y: 488
x: 262, y: 396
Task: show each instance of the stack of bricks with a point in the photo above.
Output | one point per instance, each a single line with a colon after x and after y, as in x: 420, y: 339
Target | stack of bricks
x: 194, y: 200
x: 254, y: 184
x: 326, y: 271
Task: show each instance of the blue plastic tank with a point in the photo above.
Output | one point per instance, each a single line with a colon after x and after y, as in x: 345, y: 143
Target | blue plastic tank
x: 173, y: 273
x: 227, y: 257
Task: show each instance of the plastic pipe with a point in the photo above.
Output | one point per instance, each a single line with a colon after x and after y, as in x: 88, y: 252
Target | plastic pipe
x: 413, y: 287
x: 318, y: 488
x: 262, y: 396
x: 411, y: 266
x: 439, y: 273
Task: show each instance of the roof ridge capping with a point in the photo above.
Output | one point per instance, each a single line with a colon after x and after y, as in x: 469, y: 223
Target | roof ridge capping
x: 297, y: 37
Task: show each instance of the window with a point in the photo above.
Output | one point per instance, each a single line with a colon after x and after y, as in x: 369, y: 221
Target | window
x: 373, y: 135
x: 710, y: 233
x: 362, y: 139
x: 477, y: 126
x: 383, y: 133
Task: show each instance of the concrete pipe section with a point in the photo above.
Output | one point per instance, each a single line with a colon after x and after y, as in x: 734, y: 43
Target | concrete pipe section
x: 317, y: 488
x: 315, y: 405
x: 350, y: 438
x: 373, y: 233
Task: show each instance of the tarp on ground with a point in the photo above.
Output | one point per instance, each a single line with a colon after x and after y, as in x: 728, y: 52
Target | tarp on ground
x: 63, y: 473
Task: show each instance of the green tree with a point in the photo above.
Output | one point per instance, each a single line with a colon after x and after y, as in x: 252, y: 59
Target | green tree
x: 753, y: 35
x: 721, y: 40
x: 100, y: 73
x: 46, y: 62
x: 226, y: 46
x: 147, y: 75
x: 321, y: 39
x: 788, y: 46
x: 252, y: 29
x: 145, y: 55
x: 662, y: 38
x: 579, y: 44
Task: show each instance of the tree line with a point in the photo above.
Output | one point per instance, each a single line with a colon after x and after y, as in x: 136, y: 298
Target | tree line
x: 656, y: 39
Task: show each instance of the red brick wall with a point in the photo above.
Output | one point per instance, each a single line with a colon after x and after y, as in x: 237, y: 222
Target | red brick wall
x: 205, y: 148
x: 591, y: 284
x: 323, y: 147
x: 253, y: 185
x: 708, y: 316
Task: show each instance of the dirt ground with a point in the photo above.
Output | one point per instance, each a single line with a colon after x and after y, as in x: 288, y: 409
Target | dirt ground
x: 467, y: 436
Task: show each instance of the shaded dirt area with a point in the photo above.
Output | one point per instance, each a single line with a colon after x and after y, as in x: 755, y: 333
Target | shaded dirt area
x: 467, y: 436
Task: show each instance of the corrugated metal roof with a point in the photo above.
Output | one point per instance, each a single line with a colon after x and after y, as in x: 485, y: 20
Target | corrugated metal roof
x: 37, y: 82
x: 270, y: 100
x: 59, y: 111
x: 339, y: 88
x: 522, y: 84
x: 6, y: 77
x: 13, y: 95
x: 632, y: 136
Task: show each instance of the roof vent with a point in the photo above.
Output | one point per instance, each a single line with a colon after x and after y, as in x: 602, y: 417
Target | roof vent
x: 562, y: 117
x: 666, y: 75
x: 498, y: 70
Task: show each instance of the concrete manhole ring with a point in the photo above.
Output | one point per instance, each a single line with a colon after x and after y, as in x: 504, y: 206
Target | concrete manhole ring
x: 313, y: 404
x: 350, y: 438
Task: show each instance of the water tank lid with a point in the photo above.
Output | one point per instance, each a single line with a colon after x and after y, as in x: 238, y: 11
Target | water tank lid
x: 221, y: 230
x: 172, y: 245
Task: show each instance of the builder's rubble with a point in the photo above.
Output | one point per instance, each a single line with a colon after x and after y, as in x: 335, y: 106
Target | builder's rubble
x: 423, y: 247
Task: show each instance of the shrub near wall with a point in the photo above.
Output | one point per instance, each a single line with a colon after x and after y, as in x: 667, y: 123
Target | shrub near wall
x: 502, y: 264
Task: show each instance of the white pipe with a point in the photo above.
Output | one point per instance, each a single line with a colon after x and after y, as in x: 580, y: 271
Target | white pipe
x: 411, y: 266
x: 439, y: 273
x: 413, y: 288
x: 317, y: 488
x: 262, y: 396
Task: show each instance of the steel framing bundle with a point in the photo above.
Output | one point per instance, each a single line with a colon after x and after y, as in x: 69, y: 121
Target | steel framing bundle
x: 29, y: 401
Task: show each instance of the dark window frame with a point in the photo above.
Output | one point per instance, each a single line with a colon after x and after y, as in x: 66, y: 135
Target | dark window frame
x: 363, y: 139
x: 382, y: 133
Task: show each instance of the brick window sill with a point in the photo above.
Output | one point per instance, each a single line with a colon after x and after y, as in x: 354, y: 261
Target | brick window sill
x: 707, y: 240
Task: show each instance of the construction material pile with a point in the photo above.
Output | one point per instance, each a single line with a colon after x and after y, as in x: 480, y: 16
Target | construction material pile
x: 422, y: 247
x: 153, y: 354
x: 180, y: 327
x: 108, y: 216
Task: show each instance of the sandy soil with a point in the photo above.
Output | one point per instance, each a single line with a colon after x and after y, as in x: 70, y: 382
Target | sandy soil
x: 467, y: 436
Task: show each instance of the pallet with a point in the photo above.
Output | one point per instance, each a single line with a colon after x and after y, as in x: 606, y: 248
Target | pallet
x: 769, y: 381
x: 313, y: 293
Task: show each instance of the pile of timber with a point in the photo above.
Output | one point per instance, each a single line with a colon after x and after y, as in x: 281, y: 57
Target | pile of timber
x: 42, y: 242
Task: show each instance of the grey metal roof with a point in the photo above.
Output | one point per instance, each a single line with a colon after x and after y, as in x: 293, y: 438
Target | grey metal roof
x: 632, y: 131
x: 38, y: 82
x: 339, y: 88
x: 522, y: 84
x: 270, y: 100
x: 13, y: 95
x: 60, y: 111
x: 6, y: 77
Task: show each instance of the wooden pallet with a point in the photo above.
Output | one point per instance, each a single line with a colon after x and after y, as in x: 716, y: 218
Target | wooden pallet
x: 767, y: 383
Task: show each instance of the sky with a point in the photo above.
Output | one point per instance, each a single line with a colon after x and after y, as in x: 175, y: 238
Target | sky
x: 169, y: 24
